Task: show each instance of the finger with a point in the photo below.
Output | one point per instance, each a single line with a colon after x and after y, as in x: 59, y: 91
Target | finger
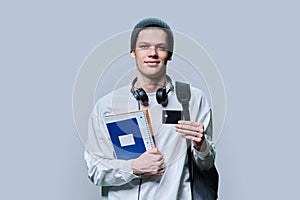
x: 153, y: 151
x: 156, y: 151
x: 161, y: 164
x: 188, y: 132
x: 161, y: 171
x: 159, y: 158
x: 157, y: 172
x: 191, y: 123
x: 191, y: 131
x: 198, y: 128
x: 192, y: 138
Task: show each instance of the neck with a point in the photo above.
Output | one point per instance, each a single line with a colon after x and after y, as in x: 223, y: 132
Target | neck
x: 150, y: 85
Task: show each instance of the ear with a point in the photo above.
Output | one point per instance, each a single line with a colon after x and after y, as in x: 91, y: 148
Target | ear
x: 132, y: 54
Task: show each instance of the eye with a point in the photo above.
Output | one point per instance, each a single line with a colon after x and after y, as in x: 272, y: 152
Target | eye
x: 161, y: 47
x: 144, y: 46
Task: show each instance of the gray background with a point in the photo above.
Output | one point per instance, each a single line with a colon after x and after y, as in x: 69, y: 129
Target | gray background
x: 255, y: 45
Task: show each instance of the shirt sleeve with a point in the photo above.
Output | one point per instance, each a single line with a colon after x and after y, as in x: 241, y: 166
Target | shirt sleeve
x: 103, y: 168
x: 204, y: 159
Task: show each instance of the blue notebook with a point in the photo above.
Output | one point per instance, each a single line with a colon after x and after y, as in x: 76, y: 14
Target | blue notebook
x: 130, y: 133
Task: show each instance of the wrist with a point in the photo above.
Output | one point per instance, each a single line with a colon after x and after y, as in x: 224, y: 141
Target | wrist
x: 200, y: 146
x: 134, y: 168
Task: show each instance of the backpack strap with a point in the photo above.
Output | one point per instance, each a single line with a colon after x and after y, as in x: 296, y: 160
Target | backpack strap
x: 183, y: 94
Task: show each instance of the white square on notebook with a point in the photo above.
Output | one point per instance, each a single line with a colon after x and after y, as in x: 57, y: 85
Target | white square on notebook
x: 126, y: 140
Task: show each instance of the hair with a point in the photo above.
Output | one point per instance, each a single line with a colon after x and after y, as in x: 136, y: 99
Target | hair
x: 148, y: 23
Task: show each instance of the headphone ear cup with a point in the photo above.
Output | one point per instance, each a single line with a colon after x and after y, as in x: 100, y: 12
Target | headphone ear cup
x: 141, y: 96
x: 162, y: 97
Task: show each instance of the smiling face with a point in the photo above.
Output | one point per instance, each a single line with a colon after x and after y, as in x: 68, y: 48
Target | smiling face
x: 151, y: 53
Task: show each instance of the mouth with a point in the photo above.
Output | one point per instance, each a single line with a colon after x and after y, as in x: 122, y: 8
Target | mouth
x: 152, y: 63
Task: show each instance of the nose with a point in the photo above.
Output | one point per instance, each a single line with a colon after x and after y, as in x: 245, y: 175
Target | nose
x: 152, y: 51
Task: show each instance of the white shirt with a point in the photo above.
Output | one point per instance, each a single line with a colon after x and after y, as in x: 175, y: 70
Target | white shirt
x: 116, y: 176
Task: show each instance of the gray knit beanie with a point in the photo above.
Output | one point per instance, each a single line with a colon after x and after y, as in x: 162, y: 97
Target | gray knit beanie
x: 152, y: 22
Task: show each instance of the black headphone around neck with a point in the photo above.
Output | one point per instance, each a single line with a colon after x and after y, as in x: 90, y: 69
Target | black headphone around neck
x: 161, y: 93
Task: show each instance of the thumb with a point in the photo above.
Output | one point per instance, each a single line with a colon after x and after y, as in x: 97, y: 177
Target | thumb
x: 153, y: 151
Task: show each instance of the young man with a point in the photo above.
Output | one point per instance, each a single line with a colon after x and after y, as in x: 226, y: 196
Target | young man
x: 163, y: 172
